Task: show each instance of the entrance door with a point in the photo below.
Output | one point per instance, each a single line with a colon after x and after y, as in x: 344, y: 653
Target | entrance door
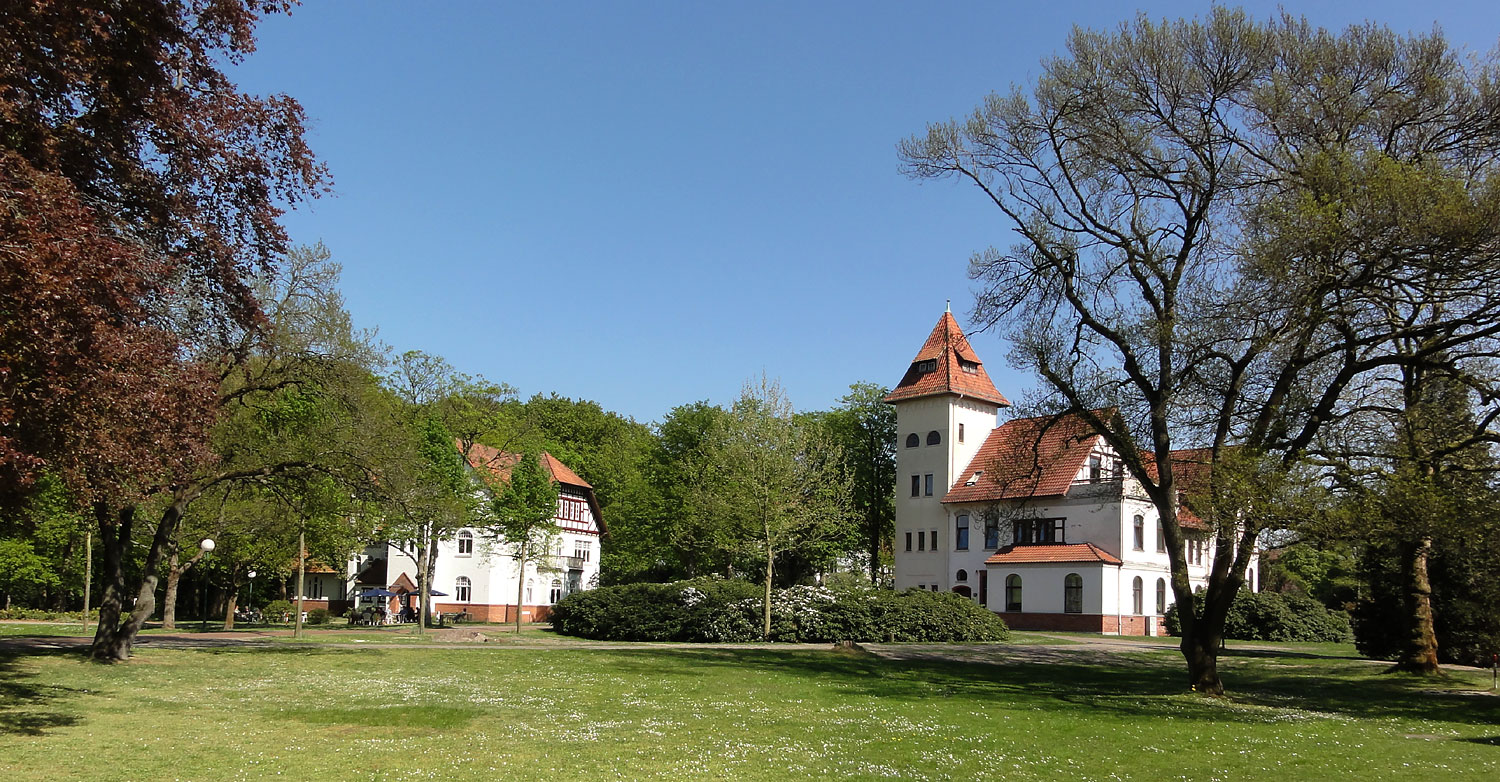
x: 984, y: 588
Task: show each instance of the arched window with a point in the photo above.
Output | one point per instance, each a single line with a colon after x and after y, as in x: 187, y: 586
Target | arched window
x: 465, y: 543
x: 1137, y: 596
x: 961, y: 533
x: 528, y: 591
x: 556, y: 593
x: 1140, y: 533
x: 463, y: 589
x: 962, y: 575
x: 1073, y: 594
x: 1013, y: 592
x: 933, y: 438
x: 912, y: 440
x: 1161, y: 596
x: 963, y: 589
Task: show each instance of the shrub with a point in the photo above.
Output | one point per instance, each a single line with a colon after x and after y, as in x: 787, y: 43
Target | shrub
x: 279, y: 611
x: 723, y: 610
x: 317, y: 616
x: 1274, y: 616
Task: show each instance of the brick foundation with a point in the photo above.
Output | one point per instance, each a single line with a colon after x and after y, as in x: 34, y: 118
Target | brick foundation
x: 498, y: 614
x: 1084, y: 623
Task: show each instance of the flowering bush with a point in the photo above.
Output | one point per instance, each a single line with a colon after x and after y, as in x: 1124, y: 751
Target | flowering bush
x: 720, y: 610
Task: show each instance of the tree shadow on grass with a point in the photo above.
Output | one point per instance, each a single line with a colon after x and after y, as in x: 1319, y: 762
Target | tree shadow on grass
x: 28, y: 707
x: 1134, y: 685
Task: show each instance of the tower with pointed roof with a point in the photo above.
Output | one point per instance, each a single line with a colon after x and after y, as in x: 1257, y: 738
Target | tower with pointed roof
x: 946, y: 405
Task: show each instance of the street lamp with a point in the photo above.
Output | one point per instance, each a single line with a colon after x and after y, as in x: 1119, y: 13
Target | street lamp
x: 207, y: 545
x: 250, y: 603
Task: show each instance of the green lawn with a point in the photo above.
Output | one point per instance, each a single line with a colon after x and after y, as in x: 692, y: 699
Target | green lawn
x: 599, y: 712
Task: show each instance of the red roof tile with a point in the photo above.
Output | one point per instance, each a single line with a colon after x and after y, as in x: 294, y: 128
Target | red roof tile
x: 1052, y: 552
x: 949, y: 349
x: 1190, y: 469
x: 499, y: 464
x: 1027, y: 457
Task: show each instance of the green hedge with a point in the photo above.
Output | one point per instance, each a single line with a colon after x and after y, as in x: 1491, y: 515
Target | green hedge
x: 731, y: 611
x: 1274, y: 616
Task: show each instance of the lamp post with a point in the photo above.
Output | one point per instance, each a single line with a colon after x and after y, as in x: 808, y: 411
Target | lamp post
x: 207, y: 544
x: 250, y: 602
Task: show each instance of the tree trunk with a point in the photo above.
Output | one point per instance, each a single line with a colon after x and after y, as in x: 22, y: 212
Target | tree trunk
x: 424, y: 588
x: 1202, y: 654
x: 114, y: 639
x: 231, y: 604
x: 766, y: 605
x: 520, y: 584
x: 297, y: 630
x: 1420, y: 654
x: 169, y: 600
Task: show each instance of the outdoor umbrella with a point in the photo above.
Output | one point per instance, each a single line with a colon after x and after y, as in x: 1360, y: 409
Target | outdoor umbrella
x: 436, y: 593
x: 377, y: 593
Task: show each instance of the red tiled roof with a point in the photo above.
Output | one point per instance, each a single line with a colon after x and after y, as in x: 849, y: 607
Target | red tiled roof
x: 1027, y: 457
x: 1190, y: 469
x: 947, y: 345
x: 499, y: 464
x: 1052, y: 552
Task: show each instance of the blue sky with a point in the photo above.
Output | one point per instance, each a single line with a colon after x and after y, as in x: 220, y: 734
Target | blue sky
x: 646, y: 204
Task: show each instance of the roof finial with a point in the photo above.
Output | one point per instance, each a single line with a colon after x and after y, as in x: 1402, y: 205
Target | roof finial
x: 948, y: 307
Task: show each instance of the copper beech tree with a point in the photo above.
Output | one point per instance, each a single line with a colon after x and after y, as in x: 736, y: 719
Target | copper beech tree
x: 1225, y: 229
x: 140, y: 192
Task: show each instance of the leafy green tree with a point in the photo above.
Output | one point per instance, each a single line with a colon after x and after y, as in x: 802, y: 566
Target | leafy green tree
x: 1225, y: 229
x: 864, y: 427
x: 524, y: 509
x: 769, y: 486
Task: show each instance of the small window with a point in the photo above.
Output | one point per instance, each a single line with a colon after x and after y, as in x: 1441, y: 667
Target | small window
x: 528, y: 591
x: 1073, y: 594
x: 1161, y: 538
x: 1013, y: 593
x: 961, y: 533
x: 927, y: 484
x: 960, y: 432
x: 934, y: 540
x: 916, y: 484
x: 1161, y: 596
x: 962, y: 575
x: 908, y: 541
x: 465, y: 543
x: 555, y: 593
x: 933, y: 438
x: 912, y: 440
x: 1137, y: 596
x: 991, y: 533
x: 921, y: 541
x: 1139, y: 541
x: 925, y: 367
x: 1096, y: 468
x: 463, y: 589
x: 972, y: 367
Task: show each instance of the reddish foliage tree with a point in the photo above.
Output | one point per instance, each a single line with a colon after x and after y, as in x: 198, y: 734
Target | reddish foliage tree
x: 140, y: 192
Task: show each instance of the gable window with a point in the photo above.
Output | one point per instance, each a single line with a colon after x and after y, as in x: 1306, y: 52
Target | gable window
x: 1073, y: 594
x: 1096, y: 468
x: 463, y: 589
x: 991, y: 533
x: 912, y: 440
x: 1013, y: 593
x: 972, y: 367
x: 1028, y: 531
x: 961, y: 533
x: 1139, y: 541
x: 934, y: 438
x: 555, y: 593
x: 1161, y: 596
x: 1161, y: 538
x: 908, y: 541
x: 960, y: 432
x: 916, y: 484
x: 927, y: 484
x: 465, y: 543
x: 1137, y: 596
x: 925, y: 367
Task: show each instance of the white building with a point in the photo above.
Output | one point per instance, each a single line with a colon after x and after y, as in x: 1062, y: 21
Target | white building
x: 478, y: 573
x: 1034, y: 519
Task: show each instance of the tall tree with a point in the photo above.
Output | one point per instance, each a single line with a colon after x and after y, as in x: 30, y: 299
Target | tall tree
x: 524, y: 510
x: 1224, y: 228
x: 770, y: 486
x: 864, y: 427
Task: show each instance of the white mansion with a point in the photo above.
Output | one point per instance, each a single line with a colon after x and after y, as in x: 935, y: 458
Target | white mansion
x: 1033, y: 519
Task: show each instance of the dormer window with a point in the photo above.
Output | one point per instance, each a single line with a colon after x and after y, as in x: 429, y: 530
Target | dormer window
x: 972, y: 367
x: 925, y: 367
x: 973, y: 479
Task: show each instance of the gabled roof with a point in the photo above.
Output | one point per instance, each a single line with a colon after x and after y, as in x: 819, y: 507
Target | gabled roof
x: 499, y: 464
x: 949, y: 349
x: 1052, y: 552
x: 1027, y: 457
